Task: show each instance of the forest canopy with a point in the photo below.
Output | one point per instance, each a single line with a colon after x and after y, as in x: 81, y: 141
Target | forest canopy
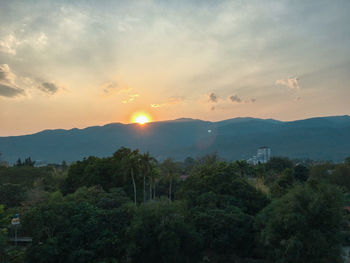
x: 129, y: 207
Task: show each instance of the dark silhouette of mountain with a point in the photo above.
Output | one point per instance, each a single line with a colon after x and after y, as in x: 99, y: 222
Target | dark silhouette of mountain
x: 324, y: 138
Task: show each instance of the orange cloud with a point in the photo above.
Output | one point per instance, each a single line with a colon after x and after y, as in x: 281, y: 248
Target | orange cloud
x: 114, y: 86
x: 131, y: 98
x: 169, y: 101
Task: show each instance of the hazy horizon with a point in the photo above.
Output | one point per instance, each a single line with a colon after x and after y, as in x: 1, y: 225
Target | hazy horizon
x: 170, y: 120
x: 76, y: 64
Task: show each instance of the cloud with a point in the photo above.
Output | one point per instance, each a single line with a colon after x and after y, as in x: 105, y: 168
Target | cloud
x: 49, y: 87
x: 10, y: 92
x: 9, y: 44
x: 11, y: 85
x: 213, y: 97
x: 41, y: 41
x: 292, y: 83
x: 174, y: 100
x: 169, y: 101
x: 108, y: 86
x: 131, y: 98
x: 8, y: 88
x: 6, y: 75
x: 252, y: 100
x: 235, y: 98
x: 85, y: 39
x: 112, y: 86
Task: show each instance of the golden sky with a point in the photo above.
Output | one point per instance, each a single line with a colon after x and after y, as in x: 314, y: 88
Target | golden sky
x: 66, y: 64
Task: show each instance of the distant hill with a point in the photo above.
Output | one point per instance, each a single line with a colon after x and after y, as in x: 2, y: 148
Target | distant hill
x: 324, y: 138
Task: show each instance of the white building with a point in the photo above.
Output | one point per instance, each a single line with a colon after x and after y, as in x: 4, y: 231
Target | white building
x: 263, y: 156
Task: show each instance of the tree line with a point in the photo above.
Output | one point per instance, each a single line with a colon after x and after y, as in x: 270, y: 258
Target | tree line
x: 131, y: 208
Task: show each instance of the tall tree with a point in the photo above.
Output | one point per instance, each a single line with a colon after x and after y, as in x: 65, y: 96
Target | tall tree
x: 131, y: 161
x: 133, y: 166
x: 19, y: 162
x: 28, y: 162
x: 169, y: 170
x: 146, y: 162
x: 154, y: 177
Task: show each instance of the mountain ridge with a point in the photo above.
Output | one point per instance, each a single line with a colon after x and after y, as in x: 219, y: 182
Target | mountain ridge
x: 319, y: 138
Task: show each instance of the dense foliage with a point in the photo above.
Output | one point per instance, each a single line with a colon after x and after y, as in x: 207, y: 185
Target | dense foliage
x: 131, y: 208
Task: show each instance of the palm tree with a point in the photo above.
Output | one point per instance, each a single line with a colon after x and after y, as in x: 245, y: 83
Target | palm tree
x: 153, y: 179
x: 146, y: 161
x: 169, y: 168
x: 134, y: 162
x: 131, y: 160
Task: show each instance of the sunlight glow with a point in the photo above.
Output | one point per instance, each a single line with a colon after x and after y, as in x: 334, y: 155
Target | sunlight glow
x: 141, y: 118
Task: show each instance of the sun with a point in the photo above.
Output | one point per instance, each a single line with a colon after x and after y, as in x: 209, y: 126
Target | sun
x: 141, y: 119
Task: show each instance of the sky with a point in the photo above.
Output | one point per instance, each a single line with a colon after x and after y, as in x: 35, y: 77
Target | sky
x: 66, y: 64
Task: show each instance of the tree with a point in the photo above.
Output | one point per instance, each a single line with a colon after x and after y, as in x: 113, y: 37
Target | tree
x: 347, y: 160
x: 146, y: 162
x: 19, y: 162
x: 243, y: 168
x: 321, y: 171
x: 2, y: 162
x: 209, y: 159
x: 27, y: 162
x: 126, y: 168
x: 159, y: 233
x: 3, y: 234
x: 304, y: 225
x: 64, y: 164
x: 154, y: 177
x: 279, y: 164
x: 11, y: 195
x: 26, y: 176
x: 86, y: 226
x: 282, y: 184
x: 301, y: 173
x: 168, y: 167
x: 228, y: 188
x: 227, y: 234
x: 341, y: 176
x: 222, y: 205
x: 334, y: 174
x: 189, y: 163
x: 107, y: 172
x: 131, y: 162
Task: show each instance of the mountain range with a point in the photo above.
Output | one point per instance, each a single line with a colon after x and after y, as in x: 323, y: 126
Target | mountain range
x: 322, y: 138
